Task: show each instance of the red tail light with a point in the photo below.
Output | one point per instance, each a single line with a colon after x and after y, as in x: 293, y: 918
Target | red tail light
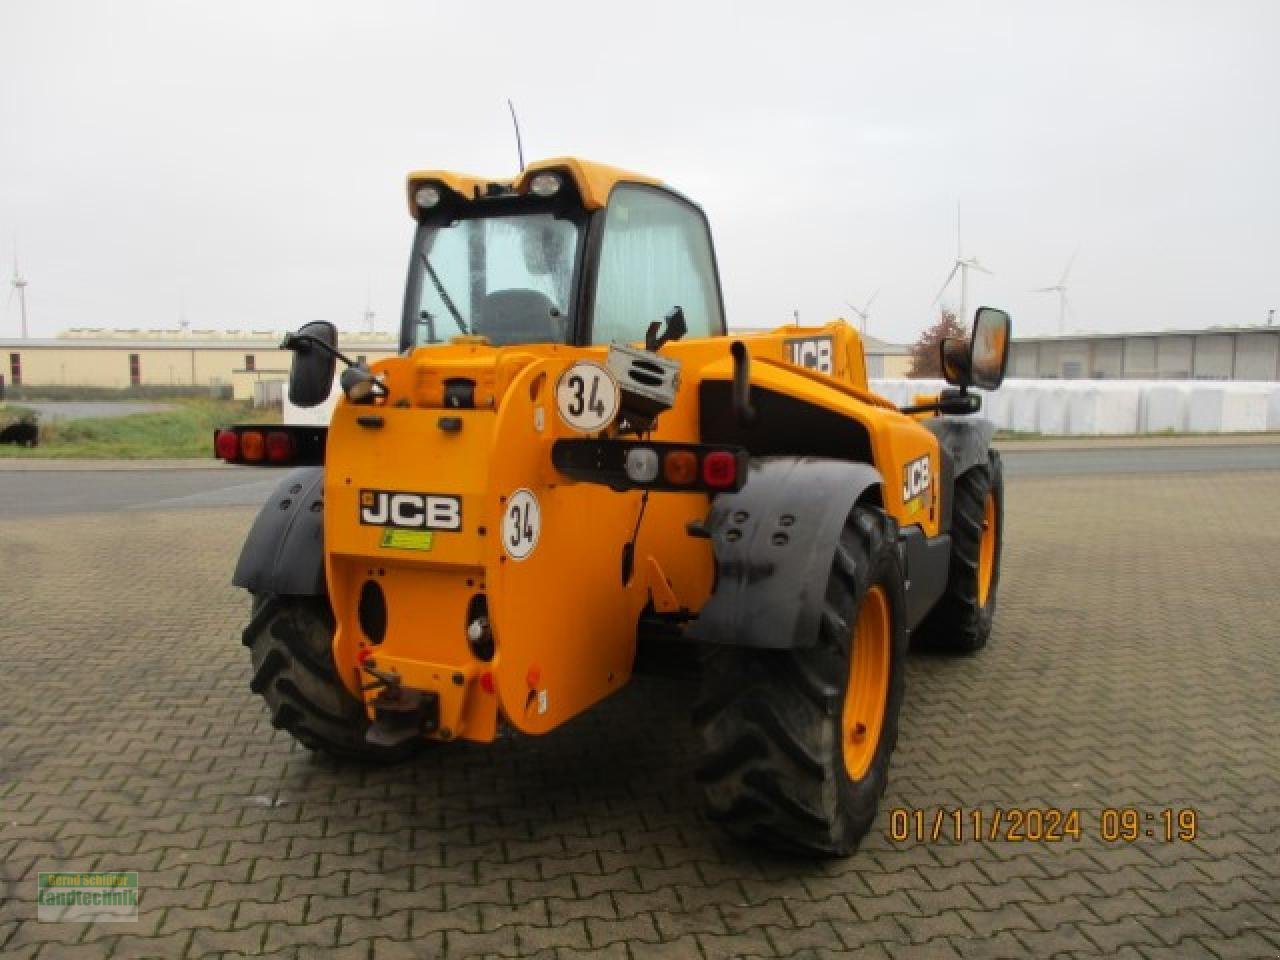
x: 279, y: 447
x: 225, y: 445
x: 680, y: 467
x: 252, y: 445
x: 719, y: 470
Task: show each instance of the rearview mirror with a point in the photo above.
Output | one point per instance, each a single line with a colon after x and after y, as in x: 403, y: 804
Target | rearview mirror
x: 311, y: 373
x: 989, y: 347
x: 982, y: 360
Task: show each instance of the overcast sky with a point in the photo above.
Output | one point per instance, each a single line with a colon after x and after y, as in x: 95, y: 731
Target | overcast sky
x: 242, y: 163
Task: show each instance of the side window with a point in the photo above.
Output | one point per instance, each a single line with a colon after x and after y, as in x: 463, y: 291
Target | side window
x: 655, y: 254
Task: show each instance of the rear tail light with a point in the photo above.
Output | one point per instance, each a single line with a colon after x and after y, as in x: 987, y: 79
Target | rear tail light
x: 652, y: 464
x: 279, y: 447
x: 252, y: 445
x: 719, y: 470
x: 226, y: 445
x: 680, y: 467
x: 641, y: 465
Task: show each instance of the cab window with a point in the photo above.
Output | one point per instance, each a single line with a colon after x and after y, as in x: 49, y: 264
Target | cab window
x: 655, y: 254
x: 507, y: 278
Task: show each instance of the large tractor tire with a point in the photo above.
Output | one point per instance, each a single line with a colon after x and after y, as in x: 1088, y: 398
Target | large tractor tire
x: 961, y: 620
x: 796, y: 743
x: 290, y: 640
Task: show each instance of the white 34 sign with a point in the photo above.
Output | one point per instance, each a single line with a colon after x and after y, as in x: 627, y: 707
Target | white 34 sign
x: 587, y: 397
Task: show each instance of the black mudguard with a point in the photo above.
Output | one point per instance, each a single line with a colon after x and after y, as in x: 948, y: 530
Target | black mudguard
x: 774, y: 542
x: 284, y: 552
x: 964, y: 443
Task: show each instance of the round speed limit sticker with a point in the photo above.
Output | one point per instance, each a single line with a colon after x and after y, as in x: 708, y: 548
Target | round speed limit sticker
x: 521, y: 524
x: 587, y: 397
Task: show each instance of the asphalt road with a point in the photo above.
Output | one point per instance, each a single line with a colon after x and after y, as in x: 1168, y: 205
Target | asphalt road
x: 40, y: 493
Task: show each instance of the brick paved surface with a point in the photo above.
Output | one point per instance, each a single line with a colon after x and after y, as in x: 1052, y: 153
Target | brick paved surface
x: 1134, y: 664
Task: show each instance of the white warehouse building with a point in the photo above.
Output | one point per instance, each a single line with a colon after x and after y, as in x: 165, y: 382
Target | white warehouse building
x: 1215, y: 353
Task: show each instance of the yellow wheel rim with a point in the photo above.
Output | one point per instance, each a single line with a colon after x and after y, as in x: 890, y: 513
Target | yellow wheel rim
x: 867, y: 691
x: 987, y: 549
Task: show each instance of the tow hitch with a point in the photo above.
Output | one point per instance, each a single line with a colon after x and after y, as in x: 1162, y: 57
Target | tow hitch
x: 400, y: 713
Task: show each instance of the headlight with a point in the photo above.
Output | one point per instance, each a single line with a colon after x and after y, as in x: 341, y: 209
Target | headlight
x: 426, y: 196
x: 545, y: 184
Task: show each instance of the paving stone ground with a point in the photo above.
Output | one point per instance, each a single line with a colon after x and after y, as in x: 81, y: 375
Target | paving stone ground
x: 1134, y: 665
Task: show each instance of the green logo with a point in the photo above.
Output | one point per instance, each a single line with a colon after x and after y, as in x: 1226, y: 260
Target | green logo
x: 99, y: 897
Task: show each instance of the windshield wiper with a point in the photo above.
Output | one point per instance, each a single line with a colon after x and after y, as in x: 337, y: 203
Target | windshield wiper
x: 444, y: 295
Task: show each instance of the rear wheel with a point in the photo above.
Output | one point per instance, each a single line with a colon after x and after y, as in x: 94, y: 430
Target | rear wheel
x: 290, y: 641
x: 796, y: 743
x: 961, y: 620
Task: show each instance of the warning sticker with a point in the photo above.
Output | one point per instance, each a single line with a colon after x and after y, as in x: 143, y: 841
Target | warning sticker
x: 398, y: 539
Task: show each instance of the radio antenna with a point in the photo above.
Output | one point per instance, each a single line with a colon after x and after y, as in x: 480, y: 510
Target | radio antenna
x: 516, y: 123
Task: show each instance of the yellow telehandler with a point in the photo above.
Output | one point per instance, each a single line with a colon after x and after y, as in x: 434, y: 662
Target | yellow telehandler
x: 571, y: 467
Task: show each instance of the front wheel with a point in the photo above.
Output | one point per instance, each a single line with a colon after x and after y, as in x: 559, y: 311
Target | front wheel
x: 961, y: 620
x: 796, y: 743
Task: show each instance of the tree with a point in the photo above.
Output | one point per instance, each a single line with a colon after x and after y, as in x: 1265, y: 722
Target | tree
x: 925, y: 361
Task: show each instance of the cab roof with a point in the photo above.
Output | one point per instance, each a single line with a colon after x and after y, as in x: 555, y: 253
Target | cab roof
x: 593, y: 180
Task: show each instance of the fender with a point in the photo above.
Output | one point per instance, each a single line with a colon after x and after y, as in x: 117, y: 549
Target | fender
x: 963, y: 443
x: 774, y: 543
x: 284, y: 552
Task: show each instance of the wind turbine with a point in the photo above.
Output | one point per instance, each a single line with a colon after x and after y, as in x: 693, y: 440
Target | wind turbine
x: 865, y: 313
x: 1060, y: 288
x: 961, y: 266
x: 19, y: 284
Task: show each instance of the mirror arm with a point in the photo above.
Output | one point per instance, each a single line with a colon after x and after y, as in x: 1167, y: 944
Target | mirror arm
x: 301, y: 342
x: 949, y: 401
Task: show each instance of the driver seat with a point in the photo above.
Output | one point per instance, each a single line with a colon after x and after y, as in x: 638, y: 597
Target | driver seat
x: 519, y: 316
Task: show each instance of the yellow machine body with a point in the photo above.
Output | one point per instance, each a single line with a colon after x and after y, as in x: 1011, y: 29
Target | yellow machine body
x: 563, y: 621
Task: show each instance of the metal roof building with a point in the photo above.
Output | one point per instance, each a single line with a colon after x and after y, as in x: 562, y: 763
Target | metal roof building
x: 1214, y: 353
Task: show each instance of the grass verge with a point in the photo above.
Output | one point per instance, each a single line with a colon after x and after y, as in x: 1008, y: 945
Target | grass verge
x: 184, y: 432
x: 13, y: 411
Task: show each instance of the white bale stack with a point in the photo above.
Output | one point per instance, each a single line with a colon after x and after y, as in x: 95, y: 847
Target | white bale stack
x: 1104, y: 408
x: 1117, y: 407
x: 1164, y: 407
x: 1227, y: 408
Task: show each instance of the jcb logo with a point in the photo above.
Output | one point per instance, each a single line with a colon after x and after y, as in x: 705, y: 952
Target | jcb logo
x: 915, y: 478
x: 414, y: 511
x: 811, y: 352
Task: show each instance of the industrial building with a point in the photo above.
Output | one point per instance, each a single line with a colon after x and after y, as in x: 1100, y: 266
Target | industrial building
x: 251, y: 363
x: 166, y: 358
x: 1216, y: 353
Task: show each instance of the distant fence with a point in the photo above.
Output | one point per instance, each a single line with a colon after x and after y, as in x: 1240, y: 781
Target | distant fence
x: 68, y: 392
x: 1102, y: 407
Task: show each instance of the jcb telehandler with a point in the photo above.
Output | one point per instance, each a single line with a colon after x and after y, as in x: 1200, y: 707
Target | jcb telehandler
x: 570, y: 464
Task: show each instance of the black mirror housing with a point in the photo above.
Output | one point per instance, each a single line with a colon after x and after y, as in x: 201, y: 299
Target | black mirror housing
x: 981, y: 360
x: 311, y: 373
x: 953, y: 355
x: 989, y: 347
